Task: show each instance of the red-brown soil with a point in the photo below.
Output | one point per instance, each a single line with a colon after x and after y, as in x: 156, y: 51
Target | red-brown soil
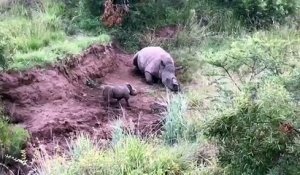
x: 54, y: 103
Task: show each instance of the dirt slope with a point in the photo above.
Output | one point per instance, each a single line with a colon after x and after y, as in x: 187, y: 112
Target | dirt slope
x: 55, y: 102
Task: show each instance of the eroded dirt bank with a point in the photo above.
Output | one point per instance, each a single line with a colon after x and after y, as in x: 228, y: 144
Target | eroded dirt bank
x: 55, y: 102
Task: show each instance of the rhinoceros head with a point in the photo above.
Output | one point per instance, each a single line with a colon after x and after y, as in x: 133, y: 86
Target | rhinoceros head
x: 168, y: 78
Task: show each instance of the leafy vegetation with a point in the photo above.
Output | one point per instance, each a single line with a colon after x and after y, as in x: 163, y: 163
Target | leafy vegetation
x: 257, y: 132
x: 257, y: 56
x: 12, y: 140
x: 258, y: 129
x: 262, y: 13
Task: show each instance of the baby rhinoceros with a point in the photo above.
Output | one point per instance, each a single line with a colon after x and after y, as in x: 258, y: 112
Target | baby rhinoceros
x: 118, y: 92
x: 155, y: 62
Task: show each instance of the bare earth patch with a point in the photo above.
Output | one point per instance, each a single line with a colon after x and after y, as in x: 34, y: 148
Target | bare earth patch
x: 55, y: 102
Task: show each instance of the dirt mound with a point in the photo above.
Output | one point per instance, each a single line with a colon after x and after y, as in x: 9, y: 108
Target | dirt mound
x: 55, y: 102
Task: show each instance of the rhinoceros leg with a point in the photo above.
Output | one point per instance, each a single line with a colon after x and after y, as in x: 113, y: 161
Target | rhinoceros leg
x: 135, y: 60
x: 136, y: 68
x: 148, y: 77
x: 127, y: 102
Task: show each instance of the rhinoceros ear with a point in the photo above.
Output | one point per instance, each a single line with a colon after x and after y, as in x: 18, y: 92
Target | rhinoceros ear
x: 129, y: 86
x: 162, y: 63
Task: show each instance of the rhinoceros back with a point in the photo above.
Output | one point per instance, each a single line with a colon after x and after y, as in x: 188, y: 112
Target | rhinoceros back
x: 149, y: 59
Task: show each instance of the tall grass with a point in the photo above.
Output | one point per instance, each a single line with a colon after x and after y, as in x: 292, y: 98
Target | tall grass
x: 130, y: 155
x: 175, y: 123
x: 35, y: 35
x: 55, y: 51
x: 12, y: 140
x: 31, y: 32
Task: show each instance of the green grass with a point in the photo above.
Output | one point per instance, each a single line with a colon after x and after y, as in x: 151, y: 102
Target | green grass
x: 55, y: 51
x: 175, y: 124
x: 131, y: 155
x: 36, y: 36
x: 12, y: 140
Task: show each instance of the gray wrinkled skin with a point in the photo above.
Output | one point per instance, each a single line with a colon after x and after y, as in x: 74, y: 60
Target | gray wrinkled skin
x: 118, y: 92
x: 155, y: 62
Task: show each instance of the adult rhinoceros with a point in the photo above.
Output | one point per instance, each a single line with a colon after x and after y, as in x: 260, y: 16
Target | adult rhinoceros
x: 155, y: 62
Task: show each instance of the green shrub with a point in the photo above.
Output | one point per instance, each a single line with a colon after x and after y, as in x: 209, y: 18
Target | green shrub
x: 288, y: 163
x: 250, y: 135
x: 217, y: 17
x: 292, y: 84
x: 148, y: 15
x: 91, y: 7
x: 12, y: 139
x: 84, y: 14
x: 254, y: 57
x: 4, y: 51
x: 145, y: 16
x: 263, y: 12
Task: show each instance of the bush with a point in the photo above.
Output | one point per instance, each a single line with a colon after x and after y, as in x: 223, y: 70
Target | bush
x: 6, y: 49
x: 292, y: 84
x: 12, y: 139
x: 257, y: 135
x: 144, y: 16
x: 217, y: 17
x: 255, y: 57
x: 262, y: 13
x: 83, y: 15
x: 253, y: 134
x: 4, y: 53
x: 190, y: 60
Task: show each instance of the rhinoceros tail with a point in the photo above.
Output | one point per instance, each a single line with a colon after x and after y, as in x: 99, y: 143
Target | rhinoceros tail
x: 135, y: 60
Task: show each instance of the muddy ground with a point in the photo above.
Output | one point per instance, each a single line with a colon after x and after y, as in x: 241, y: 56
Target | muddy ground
x: 56, y: 102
